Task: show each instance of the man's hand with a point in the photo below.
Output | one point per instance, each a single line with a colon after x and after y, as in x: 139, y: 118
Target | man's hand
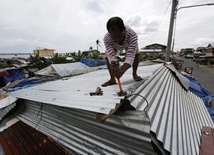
x: 118, y: 73
x: 115, y: 67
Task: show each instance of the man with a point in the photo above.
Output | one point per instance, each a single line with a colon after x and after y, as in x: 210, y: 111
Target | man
x: 118, y: 38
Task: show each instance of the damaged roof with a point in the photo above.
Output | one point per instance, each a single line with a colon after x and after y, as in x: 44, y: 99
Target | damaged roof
x: 166, y: 114
x: 74, y: 92
x: 67, y: 69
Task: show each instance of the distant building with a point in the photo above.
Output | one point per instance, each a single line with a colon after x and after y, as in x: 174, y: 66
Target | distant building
x: 201, y: 49
x: 209, y: 50
x: 205, y: 51
x: 44, y: 52
x: 205, y: 55
x: 186, y: 51
x: 90, y: 53
x: 154, y: 48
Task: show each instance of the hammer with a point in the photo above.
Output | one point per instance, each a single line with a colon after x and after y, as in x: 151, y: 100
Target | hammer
x: 121, y: 92
x: 116, y: 67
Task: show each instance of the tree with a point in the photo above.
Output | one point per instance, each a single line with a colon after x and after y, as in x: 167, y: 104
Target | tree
x: 95, y: 56
x: 58, y: 58
x: 98, y: 43
x: 38, y: 62
x: 77, y: 56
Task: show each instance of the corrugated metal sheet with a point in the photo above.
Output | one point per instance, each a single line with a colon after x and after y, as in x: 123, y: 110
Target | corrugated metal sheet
x: 6, y: 100
x: 124, y: 133
x: 6, y: 104
x: 74, y: 92
x: 21, y: 139
x: 65, y: 111
x: 5, y: 110
x: 177, y: 115
x: 67, y: 69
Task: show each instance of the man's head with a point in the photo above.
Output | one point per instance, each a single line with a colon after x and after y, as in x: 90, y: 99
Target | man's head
x: 116, y: 28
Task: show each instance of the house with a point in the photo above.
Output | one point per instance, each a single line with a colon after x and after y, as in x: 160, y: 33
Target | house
x: 186, y: 51
x: 44, y: 52
x: 201, y: 49
x: 90, y: 53
x: 209, y: 50
x: 205, y: 55
x: 154, y: 48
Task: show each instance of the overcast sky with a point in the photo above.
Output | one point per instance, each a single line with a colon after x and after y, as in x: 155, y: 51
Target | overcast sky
x: 72, y: 25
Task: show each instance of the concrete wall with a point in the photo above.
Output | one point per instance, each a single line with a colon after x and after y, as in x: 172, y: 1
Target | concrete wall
x: 44, y: 52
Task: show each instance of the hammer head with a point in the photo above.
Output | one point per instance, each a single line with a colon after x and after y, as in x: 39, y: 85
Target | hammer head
x: 121, y: 93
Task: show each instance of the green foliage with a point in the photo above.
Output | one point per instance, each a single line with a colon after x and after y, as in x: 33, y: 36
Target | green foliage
x: 77, y: 56
x: 152, y: 56
x: 59, y: 58
x: 67, y: 55
x: 95, y: 56
x: 38, y: 62
x: 4, y: 66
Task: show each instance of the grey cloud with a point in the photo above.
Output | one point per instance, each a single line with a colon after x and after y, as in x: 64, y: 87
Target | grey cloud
x: 71, y: 25
x: 134, y: 21
x: 95, y: 6
x: 202, y: 42
x: 151, y: 27
x: 20, y: 45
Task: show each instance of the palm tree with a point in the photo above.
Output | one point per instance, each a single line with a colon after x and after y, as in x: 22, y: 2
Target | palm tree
x: 59, y: 58
x: 98, y: 43
x: 38, y: 62
x: 77, y: 56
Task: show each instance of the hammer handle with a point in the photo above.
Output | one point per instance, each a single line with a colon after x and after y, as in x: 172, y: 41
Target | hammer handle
x: 119, y: 84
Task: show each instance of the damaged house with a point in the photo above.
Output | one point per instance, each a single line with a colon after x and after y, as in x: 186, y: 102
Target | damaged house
x: 159, y: 115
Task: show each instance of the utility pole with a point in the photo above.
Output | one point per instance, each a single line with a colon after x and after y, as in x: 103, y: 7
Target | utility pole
x: 171, y: 25
x: 185, y: 7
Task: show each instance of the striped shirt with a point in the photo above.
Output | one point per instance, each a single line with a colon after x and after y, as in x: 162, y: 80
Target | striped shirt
x: 129, y: 44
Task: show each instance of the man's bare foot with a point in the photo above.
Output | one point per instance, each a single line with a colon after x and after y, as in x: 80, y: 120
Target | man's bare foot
x: 109, y: 83
x: 137, y: 78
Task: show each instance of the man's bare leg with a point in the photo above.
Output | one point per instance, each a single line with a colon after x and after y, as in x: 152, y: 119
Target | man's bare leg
x: 112, y: 78
x: 135, y: 66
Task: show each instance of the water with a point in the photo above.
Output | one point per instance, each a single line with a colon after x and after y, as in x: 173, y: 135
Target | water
x: 15, y: 55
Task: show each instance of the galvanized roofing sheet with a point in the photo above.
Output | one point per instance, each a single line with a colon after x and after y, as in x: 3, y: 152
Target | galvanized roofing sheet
x: 5, y: 110
x: 6, y: 104
x: 6, y: 100
x: 176, y: 114
x: 74, y: 92
x: 67, y: 69
x: 124, y: 133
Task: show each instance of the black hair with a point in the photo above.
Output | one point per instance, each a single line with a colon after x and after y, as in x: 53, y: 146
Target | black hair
x: 115, y: 22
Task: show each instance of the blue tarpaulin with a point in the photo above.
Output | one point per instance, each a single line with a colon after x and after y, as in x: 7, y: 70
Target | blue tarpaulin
x: 93, y: 62
x: 198, y: 89
x: 14, y: 74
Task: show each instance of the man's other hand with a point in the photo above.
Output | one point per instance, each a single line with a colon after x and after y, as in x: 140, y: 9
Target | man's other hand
x: 118, y: 73
x: 115, y: 67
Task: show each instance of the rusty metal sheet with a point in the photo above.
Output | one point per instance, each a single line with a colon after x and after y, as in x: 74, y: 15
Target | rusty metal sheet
x: 23, y: 139
x: 207, y: 141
